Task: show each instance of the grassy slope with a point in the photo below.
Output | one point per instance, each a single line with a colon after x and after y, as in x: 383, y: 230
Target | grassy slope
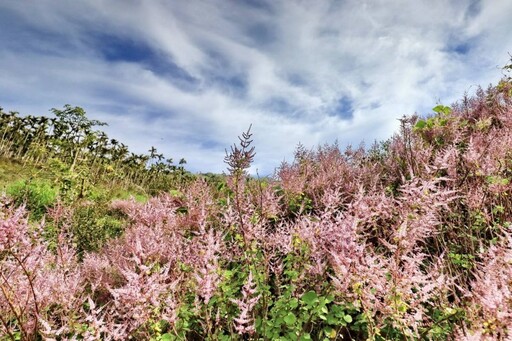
x: 12, y: 171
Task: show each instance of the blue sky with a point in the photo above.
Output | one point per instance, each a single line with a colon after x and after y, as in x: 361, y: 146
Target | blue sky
x: 189, y: 76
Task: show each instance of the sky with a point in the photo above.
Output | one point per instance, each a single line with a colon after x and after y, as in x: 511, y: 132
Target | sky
x: 188, y: 77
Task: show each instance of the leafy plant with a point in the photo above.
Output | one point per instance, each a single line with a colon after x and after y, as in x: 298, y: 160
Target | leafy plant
x: 36, y: 195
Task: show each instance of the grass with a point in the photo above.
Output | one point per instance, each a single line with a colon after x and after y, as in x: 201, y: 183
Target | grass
x: 12, y: 171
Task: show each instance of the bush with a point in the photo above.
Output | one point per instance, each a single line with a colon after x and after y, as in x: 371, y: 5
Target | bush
x: 36, y: 195
x: 91, y: 225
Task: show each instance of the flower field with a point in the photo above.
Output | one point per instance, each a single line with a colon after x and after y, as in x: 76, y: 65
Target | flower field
x: 409, y: 239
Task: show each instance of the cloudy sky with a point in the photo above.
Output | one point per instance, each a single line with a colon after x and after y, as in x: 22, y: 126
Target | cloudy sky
x: 189, y: 76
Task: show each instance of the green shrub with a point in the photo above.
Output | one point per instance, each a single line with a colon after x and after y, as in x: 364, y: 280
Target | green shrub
x: 92, y: 225
x: 37, y: 195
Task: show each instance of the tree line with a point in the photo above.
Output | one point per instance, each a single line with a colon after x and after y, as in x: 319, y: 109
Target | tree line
x: 69, y: 142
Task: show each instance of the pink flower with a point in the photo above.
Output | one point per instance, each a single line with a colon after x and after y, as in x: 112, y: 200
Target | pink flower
x: 244, y: 323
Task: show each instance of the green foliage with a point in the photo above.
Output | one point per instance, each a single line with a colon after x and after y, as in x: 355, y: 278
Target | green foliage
x: 434, y: 130
x: 12, y: 171
x: 444, y: 321
x: 295, y: 203
x: 284, y: 314
x: 442, y: 109
x: 440, y: 119
x: 79, y: 156
x: 92, y: 225
x: 311, y: 315
x: 300, y: 203
x: 497, y: 180
x: 308, y: 317
x: 37, y: 195
x: 465, y: 261
x: 430, y: 123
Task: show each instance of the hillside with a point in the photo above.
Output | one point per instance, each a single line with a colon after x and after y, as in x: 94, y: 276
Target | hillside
x: 410, y: 239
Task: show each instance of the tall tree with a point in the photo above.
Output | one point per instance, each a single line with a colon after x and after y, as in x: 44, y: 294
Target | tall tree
x: 74, y: 127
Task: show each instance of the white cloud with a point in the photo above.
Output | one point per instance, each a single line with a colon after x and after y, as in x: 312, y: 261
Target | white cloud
x: 282, y: 66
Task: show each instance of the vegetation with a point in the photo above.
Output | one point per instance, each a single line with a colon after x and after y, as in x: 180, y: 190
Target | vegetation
x: 408, y: 240
x: 68, y: 148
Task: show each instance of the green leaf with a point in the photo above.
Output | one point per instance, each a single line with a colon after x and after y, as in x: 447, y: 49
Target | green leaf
x: 292, y: 274
x: 175, y: 193
x: 293, y: 303
x: 330, y: 332
x: 332, y: 319
x: 305, y: 337
x: 310, y: 297
x: 290, y: 336
x: 337, y: 310
x: 290, y: 319
x: 257, y: 322
x: 347, y: 318
x: 442, y: 109
x: 420, y: 124
x: 166, y: 337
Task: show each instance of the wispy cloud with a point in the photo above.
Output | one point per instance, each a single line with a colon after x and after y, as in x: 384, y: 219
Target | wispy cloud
x: 188, y: 77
